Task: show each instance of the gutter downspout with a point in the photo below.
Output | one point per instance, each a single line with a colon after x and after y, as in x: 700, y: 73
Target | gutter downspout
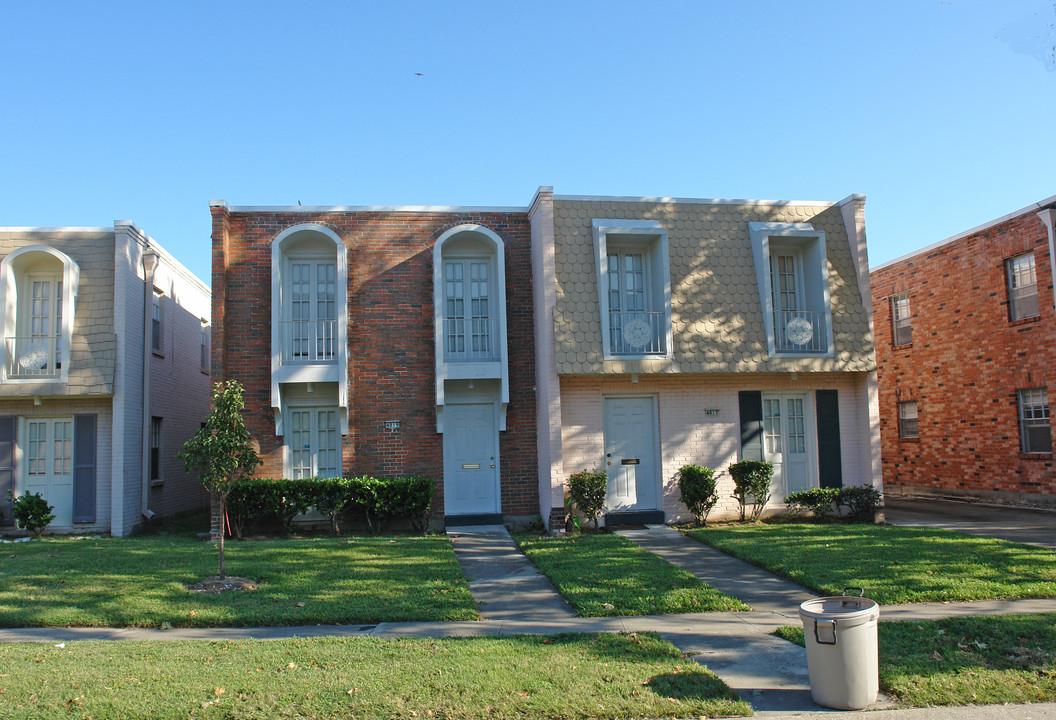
x: 150, y: 265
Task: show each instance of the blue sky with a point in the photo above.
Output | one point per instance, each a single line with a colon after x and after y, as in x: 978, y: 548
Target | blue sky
x: 940, y: 111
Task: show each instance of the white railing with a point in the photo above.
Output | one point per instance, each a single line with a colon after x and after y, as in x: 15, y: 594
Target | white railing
x: 471, y: 339
x: 308, y: 341
x: 32, y: 357
x: 800, y: 331
x: 637, y: 333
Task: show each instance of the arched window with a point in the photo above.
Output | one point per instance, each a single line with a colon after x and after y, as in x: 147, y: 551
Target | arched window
x: 39, y: 286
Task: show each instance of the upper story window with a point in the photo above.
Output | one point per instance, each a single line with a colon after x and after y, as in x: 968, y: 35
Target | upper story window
x: 311, y: 314
x: 470, y: 329
x: 1035, y: 434
x: 311, y: 288
x: 634, y: 288
x: 39, y: 285
x: 205, y: 346
x: 791, y: 269
x: 901, y: 320
x: 1022, y: 287
x: 155, y: 322
x: 469, y: 286
x: 907, y: 419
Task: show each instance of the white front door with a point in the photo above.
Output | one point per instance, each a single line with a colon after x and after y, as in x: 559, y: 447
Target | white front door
x: 471, y: 459
x: 49, y: 465
x: 787, y: 443
x: 630, y: 454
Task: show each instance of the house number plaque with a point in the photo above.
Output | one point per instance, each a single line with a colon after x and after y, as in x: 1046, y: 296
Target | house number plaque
x: 392, y: 424
x: 711, y: 412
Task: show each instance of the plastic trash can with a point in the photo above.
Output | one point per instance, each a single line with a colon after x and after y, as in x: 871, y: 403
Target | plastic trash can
x: 842, y: 654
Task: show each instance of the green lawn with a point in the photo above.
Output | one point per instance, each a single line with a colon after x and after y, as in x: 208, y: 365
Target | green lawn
x: 966, y: 661
x: 567, y: 676
x: 609, y: 575
x: 141, y: 582
x: 893, y: 564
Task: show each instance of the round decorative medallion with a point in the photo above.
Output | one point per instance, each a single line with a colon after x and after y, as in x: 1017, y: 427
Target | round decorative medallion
x: 799, y: 331
x: 33, y: 355
x: 637, y: 333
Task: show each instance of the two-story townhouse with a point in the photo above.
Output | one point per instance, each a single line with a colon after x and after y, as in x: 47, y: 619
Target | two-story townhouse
x: 966, y: 349
x: 104, y: 375
x: 384, y: 341
x: 687, y: 331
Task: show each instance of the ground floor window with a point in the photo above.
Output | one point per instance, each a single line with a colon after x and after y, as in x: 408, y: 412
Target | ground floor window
x: 313, y: 443
x: 1034, y: 431
x: 907, y: 419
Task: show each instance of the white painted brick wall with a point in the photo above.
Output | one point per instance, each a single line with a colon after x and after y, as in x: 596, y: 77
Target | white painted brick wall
x: 688, y: 436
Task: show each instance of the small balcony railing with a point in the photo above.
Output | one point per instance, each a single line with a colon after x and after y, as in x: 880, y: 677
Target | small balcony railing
x: 800, y: 331
x: 637, y: 333
x: 308, y: 341
x: 471, y: 339
x: 32, y: 357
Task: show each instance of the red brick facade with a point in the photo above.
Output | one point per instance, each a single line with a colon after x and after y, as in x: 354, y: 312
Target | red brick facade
x: 966, y: 361
x: 391, y: 354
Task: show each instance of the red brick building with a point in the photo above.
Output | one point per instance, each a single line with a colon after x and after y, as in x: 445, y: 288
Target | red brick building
x: 439, y: 332
x: 966, y: 353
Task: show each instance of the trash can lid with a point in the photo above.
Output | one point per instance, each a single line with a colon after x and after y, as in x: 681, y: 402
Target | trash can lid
x: 848, y: 610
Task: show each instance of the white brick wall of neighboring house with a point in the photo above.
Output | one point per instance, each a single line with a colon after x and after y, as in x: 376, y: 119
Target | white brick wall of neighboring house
x: 689, y: 436
x: 179, y: 390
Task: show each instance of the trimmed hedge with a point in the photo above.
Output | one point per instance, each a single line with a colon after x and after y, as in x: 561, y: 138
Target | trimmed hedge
x: 258, y: 502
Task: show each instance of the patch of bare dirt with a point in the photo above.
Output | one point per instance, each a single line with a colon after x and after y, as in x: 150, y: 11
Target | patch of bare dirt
x: 216, y: 586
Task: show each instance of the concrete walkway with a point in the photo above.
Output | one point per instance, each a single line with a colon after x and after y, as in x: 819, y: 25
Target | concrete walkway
x: 514, y: 598
x: 504, y: 583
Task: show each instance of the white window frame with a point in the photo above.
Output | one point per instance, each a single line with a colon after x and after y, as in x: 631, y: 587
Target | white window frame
x: 901, y: 324
x: 157, y: 322
x: 447, y: 247
x: 650, y: 237
x: 1016, y: 309
x: 206, y: 348
x: 1033, y: 405
x: 12, y: 284
x: 810, y: 243
x: 474, y: 337
x: 283, y: 246
x: 908, y: 420
x: 156, y: 429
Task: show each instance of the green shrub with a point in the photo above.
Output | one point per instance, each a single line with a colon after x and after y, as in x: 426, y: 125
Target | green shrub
x: 861, y: 502
x: 820, y: 502
x: 31, y: 512
x: 382, y: 499
x: 752, y: 477
x: 696, y: 487
x: 330, y: 496
x: 257, y: 502
x: 587, y: 491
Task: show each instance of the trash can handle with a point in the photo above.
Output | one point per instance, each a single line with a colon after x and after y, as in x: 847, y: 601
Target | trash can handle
x: 861, y: 590
x: 818, y: 639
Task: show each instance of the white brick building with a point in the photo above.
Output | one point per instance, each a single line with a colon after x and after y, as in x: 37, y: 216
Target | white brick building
x: 104, y: 375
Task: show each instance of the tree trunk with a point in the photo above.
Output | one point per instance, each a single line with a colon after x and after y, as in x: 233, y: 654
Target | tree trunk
x: 223, y: 528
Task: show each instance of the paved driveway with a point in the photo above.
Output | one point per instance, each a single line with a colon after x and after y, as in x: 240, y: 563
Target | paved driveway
x: 1035, y: 527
